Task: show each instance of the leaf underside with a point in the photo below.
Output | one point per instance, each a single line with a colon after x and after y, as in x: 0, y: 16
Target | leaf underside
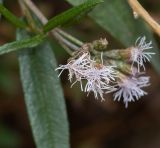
x: 43, y: 96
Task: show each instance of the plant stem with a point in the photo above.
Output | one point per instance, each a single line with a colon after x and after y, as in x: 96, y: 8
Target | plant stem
x: 136, y: 6
x: 30, y: 20
x: 44, y: 20
x: 65, y: 43
x: 68, y: 50
x: 70, y: 37
x: 36, y: 11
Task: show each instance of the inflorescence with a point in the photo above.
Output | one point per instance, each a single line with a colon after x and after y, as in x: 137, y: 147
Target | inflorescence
x: 117, y: 71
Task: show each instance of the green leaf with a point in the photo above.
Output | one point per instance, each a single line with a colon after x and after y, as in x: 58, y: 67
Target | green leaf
x: 25, y: 43
x: 70, y: 14
x: 43, y: 96
x: 116, y: 17
x: 11, y: 17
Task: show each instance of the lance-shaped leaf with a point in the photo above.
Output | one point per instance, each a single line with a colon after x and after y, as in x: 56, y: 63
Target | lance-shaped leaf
x: 11, y: 17
x: 24, y: 43
x: 70, y: 14
x: 43, y: 96
x: 116, y: 17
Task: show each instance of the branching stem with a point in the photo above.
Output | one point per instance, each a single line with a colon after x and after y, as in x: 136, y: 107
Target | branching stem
x: 57, y: 33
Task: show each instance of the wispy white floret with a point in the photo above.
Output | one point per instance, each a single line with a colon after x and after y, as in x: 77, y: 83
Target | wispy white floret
x: 77, y: 68
x: 98, y: 79
x: 138, y: 53
x: 98, y: 76
x: 130, y: 88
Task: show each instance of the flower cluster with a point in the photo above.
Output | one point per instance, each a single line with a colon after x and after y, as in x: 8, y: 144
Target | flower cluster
x: 129, y: 87
x: 97, y: 75
x: 104, y: 78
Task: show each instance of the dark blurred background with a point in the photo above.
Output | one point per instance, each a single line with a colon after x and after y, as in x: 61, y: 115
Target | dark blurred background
x: 93, y: 124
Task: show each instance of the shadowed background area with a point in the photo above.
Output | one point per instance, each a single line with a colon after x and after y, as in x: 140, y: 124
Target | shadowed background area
x: 93, y: 124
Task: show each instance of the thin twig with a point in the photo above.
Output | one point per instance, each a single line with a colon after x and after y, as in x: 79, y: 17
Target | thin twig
x: 136, y: 6
x: 36, y: 11
x: 67, y: 49
x: 70, y: 37
x: 26, y: 12
x: 44, y: 20
x: 64, y: 41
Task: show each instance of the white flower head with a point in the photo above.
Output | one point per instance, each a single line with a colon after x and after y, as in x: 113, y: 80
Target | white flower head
x: 98, y: 79
x: 98, y: 76
x: 77, y: 68
x: 139, y: 55
x: 130, y: 88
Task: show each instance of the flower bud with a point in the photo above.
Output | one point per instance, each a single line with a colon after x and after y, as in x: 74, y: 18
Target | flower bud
x: 100, y: 45
x: 118, y: 54
x: 121, y: 66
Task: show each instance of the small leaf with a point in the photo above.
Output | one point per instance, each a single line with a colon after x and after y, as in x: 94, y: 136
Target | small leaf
x: 116, y: 17
x: 11, y: 17
x: 70, y: 14
x: 25, y: 43
x: 43, y: 96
